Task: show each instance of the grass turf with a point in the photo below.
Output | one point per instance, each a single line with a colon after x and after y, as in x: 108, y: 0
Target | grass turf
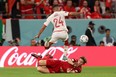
x: 32, y: 72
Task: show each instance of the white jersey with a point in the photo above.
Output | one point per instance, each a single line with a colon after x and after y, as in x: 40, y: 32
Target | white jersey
x: 58, y: 21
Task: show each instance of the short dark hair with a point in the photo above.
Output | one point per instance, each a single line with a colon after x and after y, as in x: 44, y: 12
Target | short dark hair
x: 84, y: 59
x: 91, y: 23
x: 107, y: 30
x: 114, y: 43
x: 101, y: 42
x: 73, y: 36
x: 55, y: 6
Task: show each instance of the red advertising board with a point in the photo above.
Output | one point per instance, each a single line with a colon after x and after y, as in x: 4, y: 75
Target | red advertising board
x: 21, y: 56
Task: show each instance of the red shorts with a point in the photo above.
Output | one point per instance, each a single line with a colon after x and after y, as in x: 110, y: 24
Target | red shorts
x: 54, y: 66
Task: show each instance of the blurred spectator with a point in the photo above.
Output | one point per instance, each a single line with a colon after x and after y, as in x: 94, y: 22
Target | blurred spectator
x: 101, y: 43
x: 81, y: 3
x: 102, y: 5
x: 73, y: 41
x: 107, y: 13
x: 96, y: 15
x: 33, y: 42
x: 114, y: 44
x: 108, y: 40
x: 85, y: 10
x: 97, y: 7
x: 27, y: 9
x: 37, y: 43
x: 69, y: 8
x: 48, y: 8
x: 75, y: 3
x: 91, y: 5
x: 97, y: 11
x: 15, y: 42
x: 89, y: 32
x: 40, y: 5
x: 14, y: 8
x: 108, y: 3
x: 113, y: 8
x: 3, y: 8
x: 41, y: 43
x: 1, y: 42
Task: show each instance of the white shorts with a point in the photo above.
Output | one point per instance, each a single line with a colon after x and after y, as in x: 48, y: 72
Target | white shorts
x: 63, y: 35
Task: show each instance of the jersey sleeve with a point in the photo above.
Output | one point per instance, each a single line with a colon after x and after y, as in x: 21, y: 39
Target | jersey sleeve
x: 64, y: 13
x: 46, y: 23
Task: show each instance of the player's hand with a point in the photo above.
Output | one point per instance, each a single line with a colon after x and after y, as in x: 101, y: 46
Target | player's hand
x: 36, y: 37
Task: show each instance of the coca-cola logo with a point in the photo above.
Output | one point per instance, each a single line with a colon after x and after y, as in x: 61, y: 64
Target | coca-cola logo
x: 16, y: 57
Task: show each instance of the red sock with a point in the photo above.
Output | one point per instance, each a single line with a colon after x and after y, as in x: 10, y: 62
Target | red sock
x: 66, y: 43
x: 39, y: 58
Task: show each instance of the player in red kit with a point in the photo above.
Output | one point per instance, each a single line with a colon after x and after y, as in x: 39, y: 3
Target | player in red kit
x: 48, y: 65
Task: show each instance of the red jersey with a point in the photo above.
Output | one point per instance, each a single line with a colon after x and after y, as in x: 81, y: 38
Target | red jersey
x: 85, y: 11
x: 25, y: 8
x: 96, y: 15
x: 66, y: 65
x: 69, y: 9
x: 108, y: 3
x: 59, y: 66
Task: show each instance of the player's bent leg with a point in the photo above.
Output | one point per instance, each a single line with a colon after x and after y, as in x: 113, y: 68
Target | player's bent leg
x: 48, y: 45
x: 43, y: 69
x: 66, y: 44
x: 43, y: 62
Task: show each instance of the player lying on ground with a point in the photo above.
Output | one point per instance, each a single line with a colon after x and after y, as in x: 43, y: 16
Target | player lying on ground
x: 48, y: 65
x: 60, y: 28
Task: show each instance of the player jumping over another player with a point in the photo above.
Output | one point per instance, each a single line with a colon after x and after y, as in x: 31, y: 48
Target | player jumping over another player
x: 48, y: 65
x: 60, y: 28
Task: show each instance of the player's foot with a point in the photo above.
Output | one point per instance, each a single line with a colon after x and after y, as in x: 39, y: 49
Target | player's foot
x: 64, y: 57
x: 36, y: 56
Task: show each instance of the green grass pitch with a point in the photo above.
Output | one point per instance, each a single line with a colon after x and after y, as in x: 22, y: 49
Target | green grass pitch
x: 32, y: 72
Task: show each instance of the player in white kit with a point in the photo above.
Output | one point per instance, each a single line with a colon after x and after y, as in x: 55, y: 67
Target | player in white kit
x: 60, y: 29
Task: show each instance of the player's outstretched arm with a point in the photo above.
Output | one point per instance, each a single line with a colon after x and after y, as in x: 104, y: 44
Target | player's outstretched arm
x: 40, y: 32
x: 74, y: 13
x: 70, y: 61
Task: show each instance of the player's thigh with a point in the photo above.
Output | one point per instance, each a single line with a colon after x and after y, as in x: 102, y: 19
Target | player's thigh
x: 64, y: 36
x: 54, y: 37
x: 59, y: 35
x: 53, y: 63
x: 43, y: 69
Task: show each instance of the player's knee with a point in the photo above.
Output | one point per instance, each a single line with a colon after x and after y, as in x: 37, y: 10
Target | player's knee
x: 47, y: 47
x: 42, y: 62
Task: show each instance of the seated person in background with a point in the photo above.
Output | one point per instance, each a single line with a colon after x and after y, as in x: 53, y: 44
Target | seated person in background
x: 27, y: 9
x: 97, y: 7
x: 85, y: 10
x: 73, y: 40
x: 69, y: 8
x: 33, y: 42
x: 15, y: 42
x: 114, y: 44
x: 107, y: 13
x: 108, y: 40
x: 37, y: 43
x: 101, y: 43
x: 49, y: 65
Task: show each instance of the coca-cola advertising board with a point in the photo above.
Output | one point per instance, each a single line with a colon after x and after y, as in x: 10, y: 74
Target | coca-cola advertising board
x: 21, y: 56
